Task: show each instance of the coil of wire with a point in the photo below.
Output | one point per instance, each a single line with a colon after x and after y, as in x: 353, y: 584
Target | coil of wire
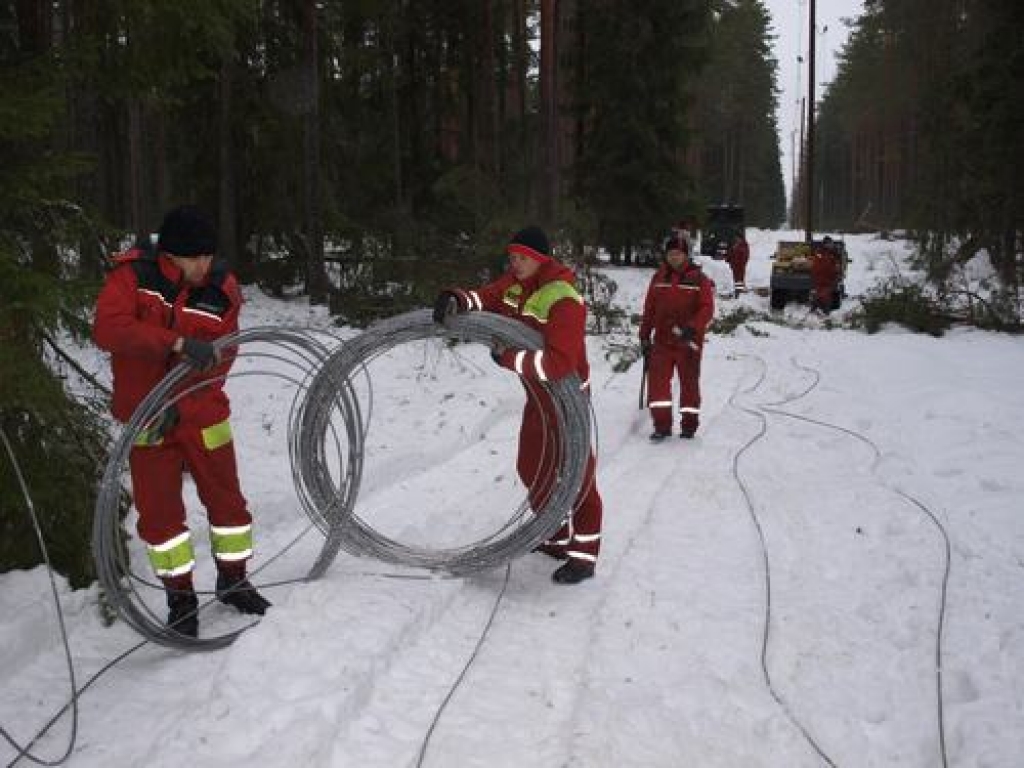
x: 333, y: 505
x: 288, y: 353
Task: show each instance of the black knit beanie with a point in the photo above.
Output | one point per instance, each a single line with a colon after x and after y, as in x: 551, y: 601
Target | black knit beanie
x: 532, y: 243
x: 186, y: 231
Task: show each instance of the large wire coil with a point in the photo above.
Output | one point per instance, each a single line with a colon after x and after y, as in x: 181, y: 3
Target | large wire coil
x: 332, y: 504
x: 289, y: 353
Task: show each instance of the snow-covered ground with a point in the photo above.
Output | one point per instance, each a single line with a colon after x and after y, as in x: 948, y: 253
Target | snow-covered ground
x: 874, y: 482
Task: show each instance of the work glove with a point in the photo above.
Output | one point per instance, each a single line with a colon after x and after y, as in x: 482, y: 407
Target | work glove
x: 685, y: 334
x: 447, y: 303
x: 199, y: 354
x: 159, y: 428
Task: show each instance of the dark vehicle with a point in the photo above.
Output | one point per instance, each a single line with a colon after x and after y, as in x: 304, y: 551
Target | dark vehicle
x: 791, y: 273
x: 723, y: 223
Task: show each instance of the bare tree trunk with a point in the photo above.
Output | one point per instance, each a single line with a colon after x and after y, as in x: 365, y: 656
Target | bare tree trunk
x: 316, y: 276
x: 487, y: 116
x: 35, y: 26
x: 228, y: 204
x: 394, y: 67
x: 549, y: 109
x: 135, y: 167
x: 520, y: 65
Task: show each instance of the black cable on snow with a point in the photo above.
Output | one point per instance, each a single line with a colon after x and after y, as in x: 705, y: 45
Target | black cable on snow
x: 25, y: 751
x: 465, y: 669
x: 766, y: 564
x: 73, y: 702
x: 773, y: 408
x: 932, y: 517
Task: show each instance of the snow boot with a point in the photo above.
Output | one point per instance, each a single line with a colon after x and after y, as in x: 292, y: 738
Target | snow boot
x: 659, y: 434
x: 573, y: 572
x: 182, y: 616
x: 237, y: 592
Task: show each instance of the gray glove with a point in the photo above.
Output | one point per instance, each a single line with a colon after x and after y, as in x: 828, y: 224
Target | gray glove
x: 199, y: 354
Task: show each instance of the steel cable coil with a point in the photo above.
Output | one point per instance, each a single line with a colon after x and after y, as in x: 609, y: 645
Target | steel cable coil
x: 300, y: 348
x: 334, y: 503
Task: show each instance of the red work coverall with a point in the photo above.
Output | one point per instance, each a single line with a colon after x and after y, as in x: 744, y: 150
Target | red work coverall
x: 739, y: 255
x: 141, y: 311
x: 676, y: 299
x: 559, y: 314
x: 824, y: 275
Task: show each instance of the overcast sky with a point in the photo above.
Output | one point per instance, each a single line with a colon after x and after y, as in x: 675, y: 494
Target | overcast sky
x: 790, y: 23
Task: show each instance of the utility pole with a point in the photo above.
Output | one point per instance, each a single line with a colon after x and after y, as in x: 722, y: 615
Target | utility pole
x: 809, y: 160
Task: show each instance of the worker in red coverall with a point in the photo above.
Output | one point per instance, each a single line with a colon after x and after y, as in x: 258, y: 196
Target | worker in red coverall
x: 679, y: 304
x: 539, y: 291
x: 824, y: 274
x: 739, y: 255
x: 160, y: 306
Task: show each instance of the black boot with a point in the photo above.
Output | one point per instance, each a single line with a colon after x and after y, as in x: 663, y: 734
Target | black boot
x: 237, y: 592
x: 182, y: 616
x: 659, y: 434
x: 573, y: 572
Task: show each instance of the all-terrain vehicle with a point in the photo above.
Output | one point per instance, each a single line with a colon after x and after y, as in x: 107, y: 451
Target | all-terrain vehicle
x: 791, y: 272
x: 723, y: 223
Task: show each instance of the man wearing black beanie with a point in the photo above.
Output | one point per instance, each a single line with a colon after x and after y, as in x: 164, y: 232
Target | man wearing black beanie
x: 158, y: 308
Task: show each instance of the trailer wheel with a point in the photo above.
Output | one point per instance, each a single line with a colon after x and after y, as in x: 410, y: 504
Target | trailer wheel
x: 778, y: 298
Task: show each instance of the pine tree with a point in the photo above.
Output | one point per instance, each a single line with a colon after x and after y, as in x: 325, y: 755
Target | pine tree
x: 56, y: 443
x: 635, y: 96
x: 737, y: 131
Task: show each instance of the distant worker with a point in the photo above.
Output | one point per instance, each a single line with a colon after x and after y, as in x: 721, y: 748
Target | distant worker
x: 679, y: 305
x: 739, y: 255
x: 825, y: 271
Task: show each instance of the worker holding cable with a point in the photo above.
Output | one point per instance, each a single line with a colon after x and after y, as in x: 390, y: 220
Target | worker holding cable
x: 539, y: 291
x: 158, y: 307
x: 679, y: 304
